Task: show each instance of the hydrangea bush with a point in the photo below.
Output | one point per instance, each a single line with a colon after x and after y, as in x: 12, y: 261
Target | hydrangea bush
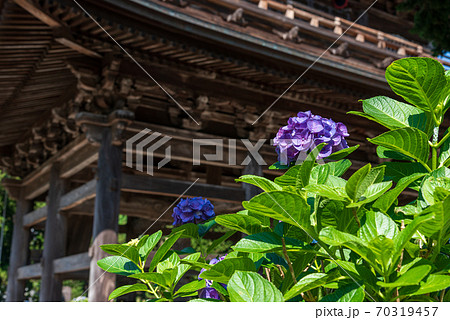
x: 312, y: 235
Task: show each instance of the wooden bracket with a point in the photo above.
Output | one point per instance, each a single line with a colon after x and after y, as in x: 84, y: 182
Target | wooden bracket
x: 291, y: 35
x: 94, y: 124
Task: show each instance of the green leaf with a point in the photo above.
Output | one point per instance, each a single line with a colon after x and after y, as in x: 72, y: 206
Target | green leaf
x: 394, y: 114
x: 417, y: 80
x: 337, y: 238
x: 429, y: 187
x: 160, y: 279
x: 189, y: 230
x: 120, y: 291
x: 191, y: 287
x: 409, y: 141
x: 165, y: 247
x: 377, y: 224
x: 386, y: 153
x: 171, y: 262
x: 387, y: 200
x: 146, y: 247
x: 410, y: 278
x: 432, y: 283
x: 241, y: 223
x: 278, y: 166
x: 327, y: 192
x: 223, y: 270
x: 118, y: 265
x: 354, y: 182
x: 404, y: 236
x: 305, y: 169
x: 309, y: 282
x: 251, y: 287
x: 440, y: 224
x: 265, y: 242
x: 261, y: 182
x: 338, y: 168
x: 372, y: 193
x: 338, y: 155
x: 398, y: 170
x: 382, y: 248
x: 349, y: 293
x: 280, y: 205
x: 203, y: 228
x: 126, y: 251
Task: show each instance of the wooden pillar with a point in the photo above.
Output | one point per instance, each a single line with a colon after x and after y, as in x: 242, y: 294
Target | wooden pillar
x: 255, y: 169
x: 106, y: 213
x: 19, y: 251
x: 54, y: 239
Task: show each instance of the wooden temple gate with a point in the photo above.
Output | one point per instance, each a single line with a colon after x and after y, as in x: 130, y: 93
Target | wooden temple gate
x: 70, y: 97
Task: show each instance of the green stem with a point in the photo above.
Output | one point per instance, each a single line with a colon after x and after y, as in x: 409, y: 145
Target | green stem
x: 286, y: 256
x: 434, y: 148
x: 443, y: 140
x: 341, y: 252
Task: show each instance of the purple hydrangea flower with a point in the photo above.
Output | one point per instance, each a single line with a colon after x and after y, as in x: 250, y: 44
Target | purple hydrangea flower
x: 306, y: 131
x: 208, y: 292
x: 192, y: 210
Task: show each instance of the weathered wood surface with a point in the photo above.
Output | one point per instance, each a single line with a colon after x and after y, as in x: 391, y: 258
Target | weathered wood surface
x: 171, y: 187
x: 69, y: 264
x: 19, y: 252
x: 69, y: 200
x: 106, y: 213
x: 54, y: 239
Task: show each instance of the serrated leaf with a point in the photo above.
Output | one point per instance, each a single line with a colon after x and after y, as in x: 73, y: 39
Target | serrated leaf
x: 158, y: 278
x: 126, y: 251
x: 338, y: 155
x: 191, y: 287
x: 265, y: 242
x: 261, y: 182
x: 355, y: 181
x: 309, y: 282
x: 349, y: 293
x: 147, y: 246
x: 189, y: 230
x: 372, y: 193
x: 242, y: 223
x: 417, y: 80
x: 432, y: 283
x: 280, y: 205
x: 394, y: 114
x: 118, y: 265
x: 251, y: 287
x: 384, y: 202
x: 223, y: 270
x: 120, y: 291
x: 377, y: 224
x: 165, y: 247
x: 409, y: 141
x: 410, y: 278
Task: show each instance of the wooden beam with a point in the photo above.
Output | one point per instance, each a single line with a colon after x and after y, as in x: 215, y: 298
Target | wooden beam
x: 19, y: 252
x: 69, y: 200
x: 69, y: 264
x: 74, y: 157
x: 62, y: 33
x: 38, y: 13
x: 54, y: 240
x: 106, y: 214
x: 174, y: 188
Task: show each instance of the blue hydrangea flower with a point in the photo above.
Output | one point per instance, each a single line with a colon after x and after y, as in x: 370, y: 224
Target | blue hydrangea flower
x: 192, y: 210
x: 208, y: 292
x: 306, y: 131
